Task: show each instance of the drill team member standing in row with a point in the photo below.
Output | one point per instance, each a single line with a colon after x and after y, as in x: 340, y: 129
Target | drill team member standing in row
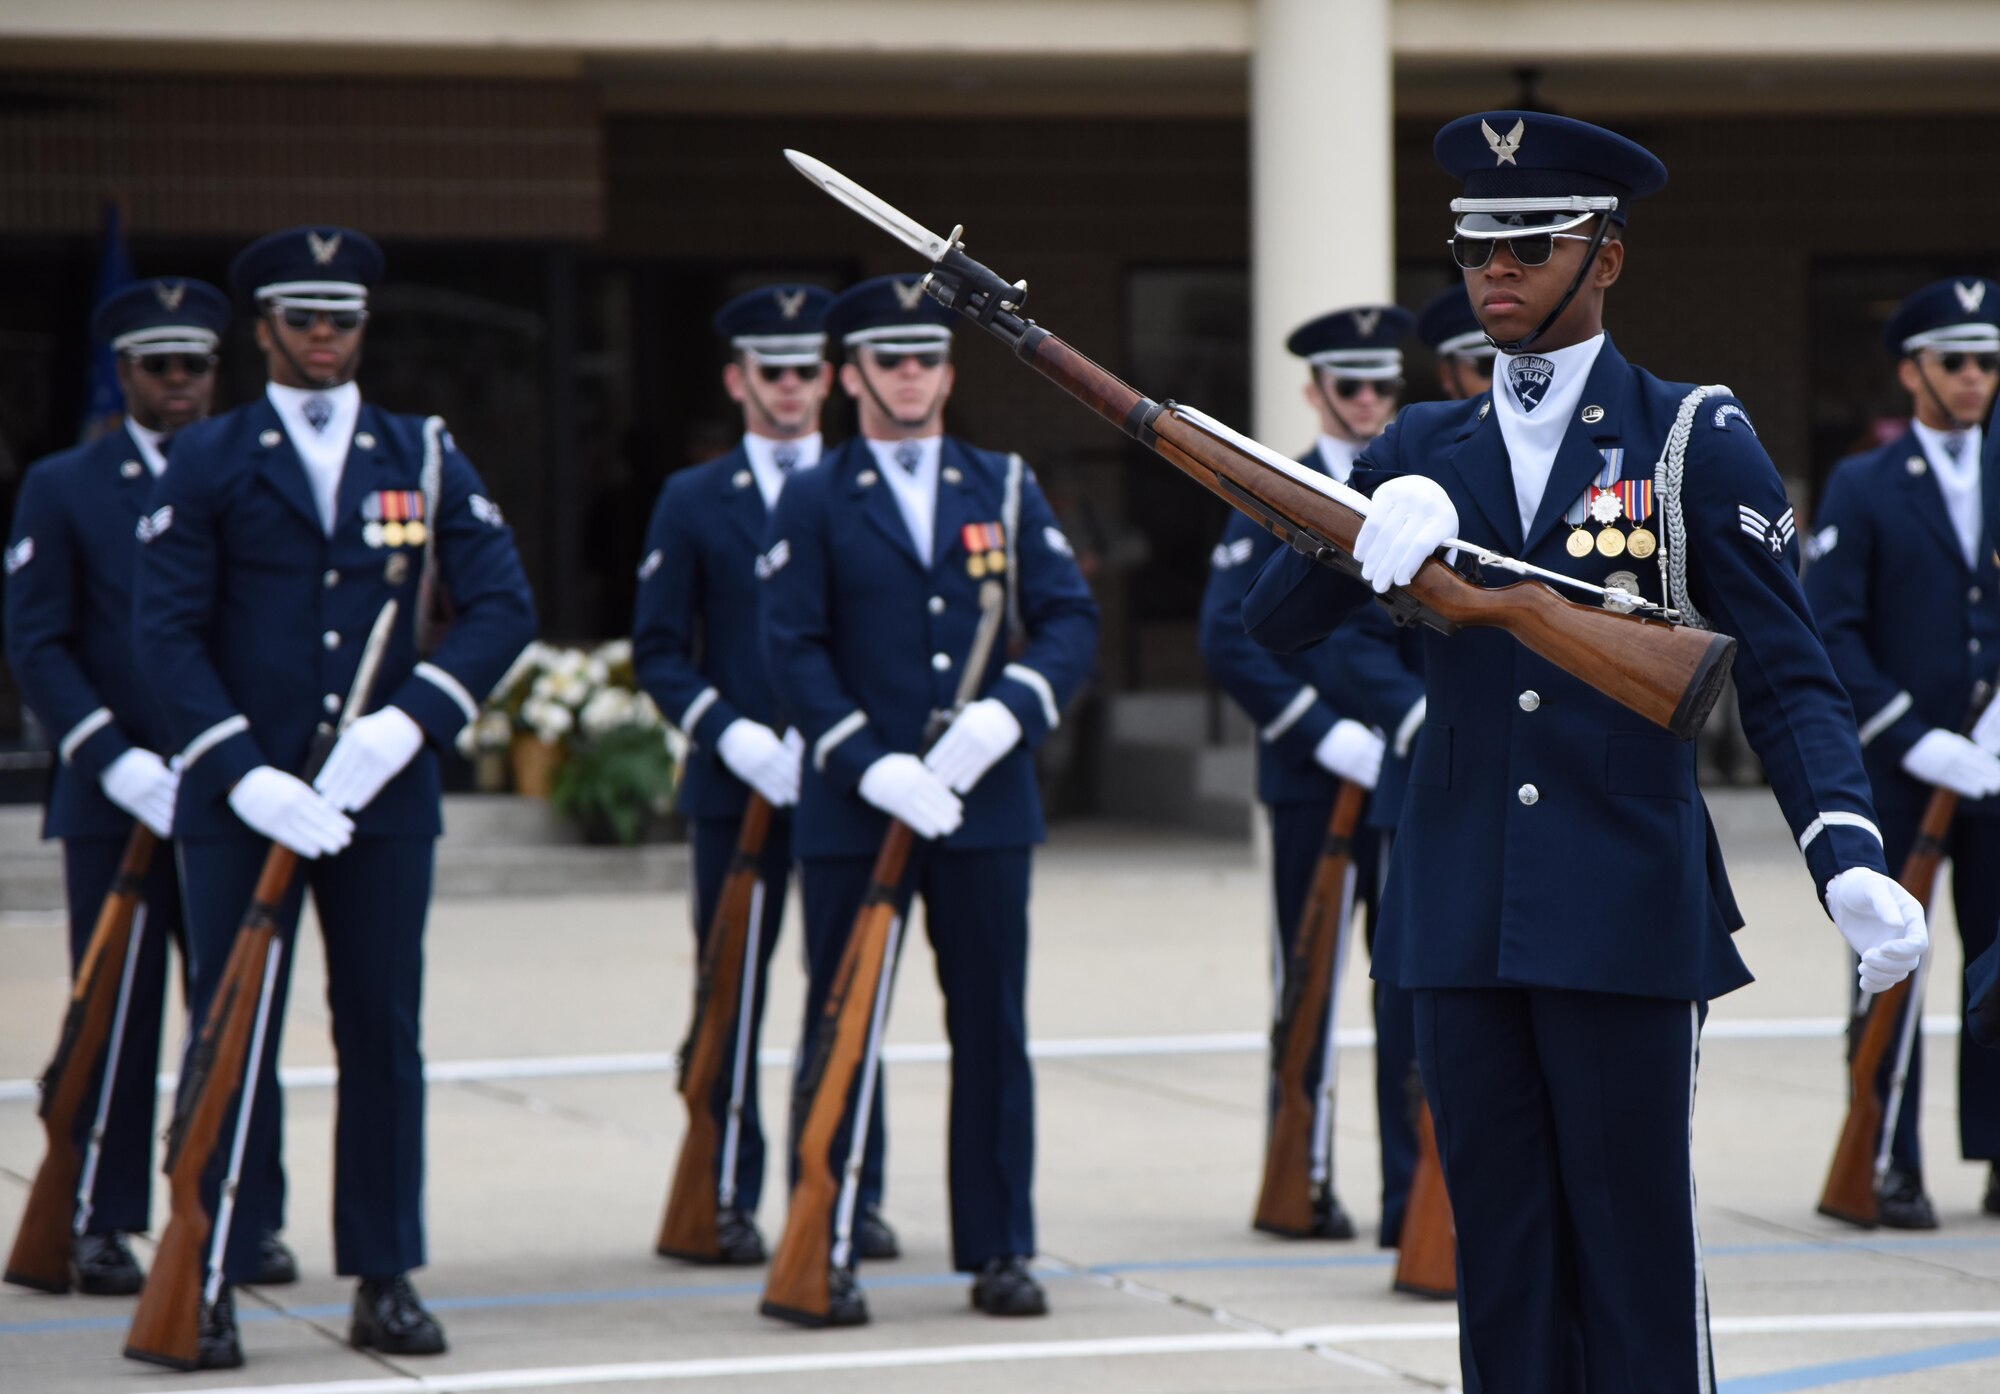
x: 1905, y: 585
x: 697, y: 650
x: 1462, y: 353
x: 872, y: 569
x: 69, y: 642
x: 1540, y: 993
x: 273, y: 544
x: 1307, y: 739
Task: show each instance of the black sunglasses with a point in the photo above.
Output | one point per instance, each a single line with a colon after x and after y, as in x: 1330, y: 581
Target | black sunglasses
x: 923, y: 358
x: 1953, y: 362
x: 342, y: 320
x: 1530, y: 249
x: 158, y: 365
x: 1347, y: 389
x: 775, y: 372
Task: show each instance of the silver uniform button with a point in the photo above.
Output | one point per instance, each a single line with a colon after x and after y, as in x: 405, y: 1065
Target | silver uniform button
x: 330, y: 580
x: 268, y: 439
x: 1975, y: 595
x: 937, y: 605
x: 131, y: 469
x: 941, y: 661
x: 331, y: 702
x: 1972, y: 646
x: 1530, y: 700
x: 331, y: 639
x: 1529, y: 794
x: 364, y: 440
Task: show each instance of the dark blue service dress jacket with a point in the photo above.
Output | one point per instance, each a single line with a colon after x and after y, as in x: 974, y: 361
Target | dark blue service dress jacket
x: 1552, y: 838
x: 69, y: 623
x: 695, y: 642
x: 249, y: 621
x: 866, y: 639
x: 1909, y: 625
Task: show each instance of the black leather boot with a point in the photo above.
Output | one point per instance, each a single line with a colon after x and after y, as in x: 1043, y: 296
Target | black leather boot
x: 101, y: 1265
x: 1005, y: 1288
x: 389, y: 1317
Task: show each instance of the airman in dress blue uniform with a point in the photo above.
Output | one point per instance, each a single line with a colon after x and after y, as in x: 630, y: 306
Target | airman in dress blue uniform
x: 69, y: 641
x: 1459, y: 348
x: 697, y: 650
x: 1307, y: 738
x: 1556, y: 898
x: 1904, y: 583
x: 872, y: 569
x: 272, y: 546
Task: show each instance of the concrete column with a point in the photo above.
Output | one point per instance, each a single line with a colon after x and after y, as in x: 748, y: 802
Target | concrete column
x: 1321, y: 209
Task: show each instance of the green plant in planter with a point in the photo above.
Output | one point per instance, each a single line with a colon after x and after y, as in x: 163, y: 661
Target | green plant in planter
x: 615, y: 780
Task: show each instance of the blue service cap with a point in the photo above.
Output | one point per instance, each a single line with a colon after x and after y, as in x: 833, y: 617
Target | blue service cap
x: 892, y: 313
x: 1528, y: 172
x: 167, y: 314
x: 1961, y: 314
x: 308, y: 268
x: 777, y: 324
x: 1360, y: 341
x: 1450, y: 327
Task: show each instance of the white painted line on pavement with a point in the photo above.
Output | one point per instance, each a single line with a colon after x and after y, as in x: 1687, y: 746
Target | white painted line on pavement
x: 1225, y: 1343
x: 937, y: 1052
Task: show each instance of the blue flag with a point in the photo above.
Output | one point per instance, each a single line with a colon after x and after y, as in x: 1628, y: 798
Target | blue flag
x: 104, y: 402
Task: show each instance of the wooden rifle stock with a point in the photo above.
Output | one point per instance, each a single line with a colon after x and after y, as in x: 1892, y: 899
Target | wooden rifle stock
x: 166, y: 1328
x: 798, y: 1286
x: 43, y: 1244
x: 689, y: 1230
x: 1849, y: 1193
x: 1285, y: 1199
x: 1427, y: 1249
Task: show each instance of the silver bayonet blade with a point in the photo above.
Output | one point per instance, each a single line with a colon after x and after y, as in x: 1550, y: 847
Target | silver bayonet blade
x: 889, y: 218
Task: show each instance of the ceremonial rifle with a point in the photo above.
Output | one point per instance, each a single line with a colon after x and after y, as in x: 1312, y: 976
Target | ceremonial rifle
x: 166, y: 1328
x: 1636, y: 655
x: 1861, y: 1156
x: 1297, y: 1162
x: 93, y: 1029
x: 816, y: 1251
x: 1427, y: 1249
x: 728, y: 978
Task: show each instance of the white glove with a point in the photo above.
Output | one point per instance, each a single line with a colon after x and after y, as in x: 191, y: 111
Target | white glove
x: 288, y: 810
x: 759, y: 757
x: 903, y: 787
x: 976, y: 740
x: 369, y: 754
x: 1352, y: 751
x: 1408, y: 519
x: 141, y: 783
x: 1881, y: 921
x: 1950, y: 761
x: 1986, y: 731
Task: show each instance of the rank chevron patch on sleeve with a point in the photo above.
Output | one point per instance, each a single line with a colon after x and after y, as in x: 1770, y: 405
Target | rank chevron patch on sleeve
x: 1768, y: 533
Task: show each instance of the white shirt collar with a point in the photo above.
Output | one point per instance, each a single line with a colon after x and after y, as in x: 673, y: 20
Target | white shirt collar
x: 1337, y: 456
x: 915, y: 491
x: 763, y: 454
x: 148, y: 442
x: 1534, y: 437
x: 323, y: 452
x: 1958, y: 482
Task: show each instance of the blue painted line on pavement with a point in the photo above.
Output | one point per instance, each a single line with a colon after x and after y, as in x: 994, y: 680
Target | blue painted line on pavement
x: 1867, y: 1367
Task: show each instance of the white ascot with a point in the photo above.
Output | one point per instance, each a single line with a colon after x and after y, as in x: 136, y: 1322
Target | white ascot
x: 1954, y: 457
x: 323, y: 448
x: 1336, y: 457
x: 912, y: 485
x: 1534, y: 426
x: 149, y: 443
x: 770, y: 465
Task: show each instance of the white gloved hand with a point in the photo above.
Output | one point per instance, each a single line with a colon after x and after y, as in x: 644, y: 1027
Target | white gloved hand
x: 288, y: 810
x: 977, y: 738
x: 1950, y: 761
x: 1986, y: 731
x: 1881, y: 921
x: 904, y: 787
x: 1352, y: 751
x: 369, y: 754
x: 1408, y: 519
x: 142, y: 784
x: 762, y: 759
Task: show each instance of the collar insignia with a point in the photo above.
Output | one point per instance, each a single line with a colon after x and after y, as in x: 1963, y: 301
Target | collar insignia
x: 790, y: 305
x: 1506, y: 147
x: 1970, y: 297
x: 908, y: 296
x: 170, y: 294
x: 323, y: 249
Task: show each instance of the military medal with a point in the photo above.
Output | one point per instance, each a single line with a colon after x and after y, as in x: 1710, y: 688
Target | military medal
x: 1637, y: 495
x: 984, y: 549
x: 975, y: 565
x: 392, y: 534
x: 414, y: 532
x: 371, y: 533
x: 1579, y: 543
x: 1611, y: 543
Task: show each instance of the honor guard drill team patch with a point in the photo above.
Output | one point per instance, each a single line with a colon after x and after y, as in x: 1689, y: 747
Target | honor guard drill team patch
x: 394, y: 518
x: 1530, y: 377
x: 985, y: 549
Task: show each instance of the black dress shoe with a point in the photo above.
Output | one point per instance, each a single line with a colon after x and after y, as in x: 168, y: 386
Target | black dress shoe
x: 1991, y: 1204
x: 872, y: 1236
x: 388, y: 1317
x: 845, y: 1306
x: 1900, y: 1202
x: 737, y: 1238
x: 1330, y: 1218
x: 217, y: 1346
x: 102, y: 1266
x: 1005, y: 1288
x: 275, y: 1264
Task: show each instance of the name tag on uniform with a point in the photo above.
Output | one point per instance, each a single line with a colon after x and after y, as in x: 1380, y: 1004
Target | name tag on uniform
x: 394, y: 518
x: 985, y: 549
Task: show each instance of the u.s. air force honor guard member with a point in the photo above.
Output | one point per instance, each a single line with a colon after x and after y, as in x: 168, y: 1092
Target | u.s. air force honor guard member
x: 873, y: 565
x: 697, y: 649
x: 1903, y: 580
x: 1307, y: 739
x: 1463, y: 354
x: 274, y: 542
x: 69, y: 640
x: 1556, y: 899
